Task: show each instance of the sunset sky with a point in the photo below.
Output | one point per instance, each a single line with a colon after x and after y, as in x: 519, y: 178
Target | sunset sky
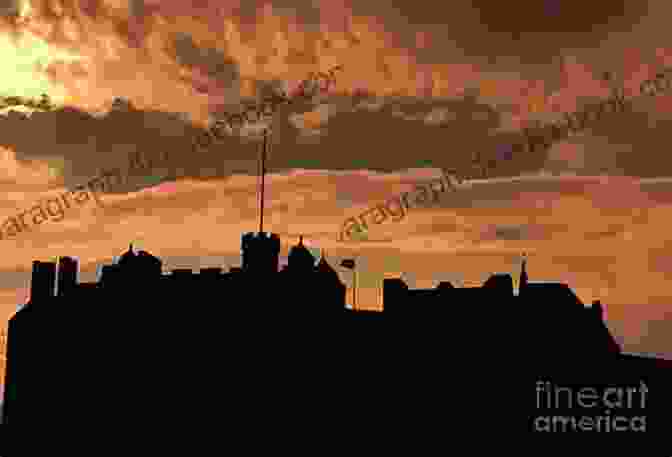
x: 421, y: 89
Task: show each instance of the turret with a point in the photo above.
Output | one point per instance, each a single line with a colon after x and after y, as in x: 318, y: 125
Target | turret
x: 260, y: 252
x: 67, y: 275
x: 140, y: 266
x: 300, y: 259
x: 43, y: 281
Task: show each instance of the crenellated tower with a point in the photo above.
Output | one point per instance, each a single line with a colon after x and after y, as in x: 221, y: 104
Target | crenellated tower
x: 261, y: 251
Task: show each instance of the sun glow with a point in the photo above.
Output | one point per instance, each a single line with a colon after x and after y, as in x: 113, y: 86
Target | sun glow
x: 25, y: 60
x: 25, y: 9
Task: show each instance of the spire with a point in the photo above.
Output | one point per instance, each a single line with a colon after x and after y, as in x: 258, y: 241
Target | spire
x: 300, y: 240
x: 522, y: 284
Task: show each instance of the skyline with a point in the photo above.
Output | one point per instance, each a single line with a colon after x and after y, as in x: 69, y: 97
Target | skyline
x: 85, y: 330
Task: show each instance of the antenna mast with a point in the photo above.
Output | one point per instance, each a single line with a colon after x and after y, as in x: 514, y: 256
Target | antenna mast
x: 263, y: 176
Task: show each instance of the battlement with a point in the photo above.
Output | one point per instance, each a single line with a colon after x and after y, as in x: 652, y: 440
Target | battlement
x: 261, y: 240
x: 261, y: 236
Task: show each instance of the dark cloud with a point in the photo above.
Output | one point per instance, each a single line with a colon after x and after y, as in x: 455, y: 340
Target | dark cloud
x: 395, y: 141
x: 531, y: 31
x: 9, y: 8
x: 211, y: 62
x: 89, y: 144
x: 465, y: 30
x: 510, y: 233
x: 390, y: 143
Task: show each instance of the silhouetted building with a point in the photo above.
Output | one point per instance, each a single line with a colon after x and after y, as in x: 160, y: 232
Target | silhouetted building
x: 136, y: 310
x: 136, y: 325
x: 311, y: 286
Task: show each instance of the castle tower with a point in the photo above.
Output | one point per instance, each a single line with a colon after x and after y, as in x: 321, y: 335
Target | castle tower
x: 43, y: 281
x: 141, y: 264
x: 67, y: 275
x: 260, y: 252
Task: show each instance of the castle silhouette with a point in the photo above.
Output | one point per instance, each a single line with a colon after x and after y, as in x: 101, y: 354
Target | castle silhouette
x: 69, y: 339
x: 141, y: 345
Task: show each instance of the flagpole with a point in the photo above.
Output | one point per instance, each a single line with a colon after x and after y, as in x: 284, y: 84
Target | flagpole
x: 354, y: 289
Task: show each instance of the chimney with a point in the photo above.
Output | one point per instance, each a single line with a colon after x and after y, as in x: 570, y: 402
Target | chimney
x: 43, y: 281
x: 67, y: 275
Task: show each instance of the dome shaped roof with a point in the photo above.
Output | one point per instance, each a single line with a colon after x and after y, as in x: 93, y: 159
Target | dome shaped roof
x: 127, y: 257
x: 146, y: 255
x: 299, y: 255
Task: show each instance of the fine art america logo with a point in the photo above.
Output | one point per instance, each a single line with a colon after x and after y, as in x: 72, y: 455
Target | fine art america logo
x: 599, y: 408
